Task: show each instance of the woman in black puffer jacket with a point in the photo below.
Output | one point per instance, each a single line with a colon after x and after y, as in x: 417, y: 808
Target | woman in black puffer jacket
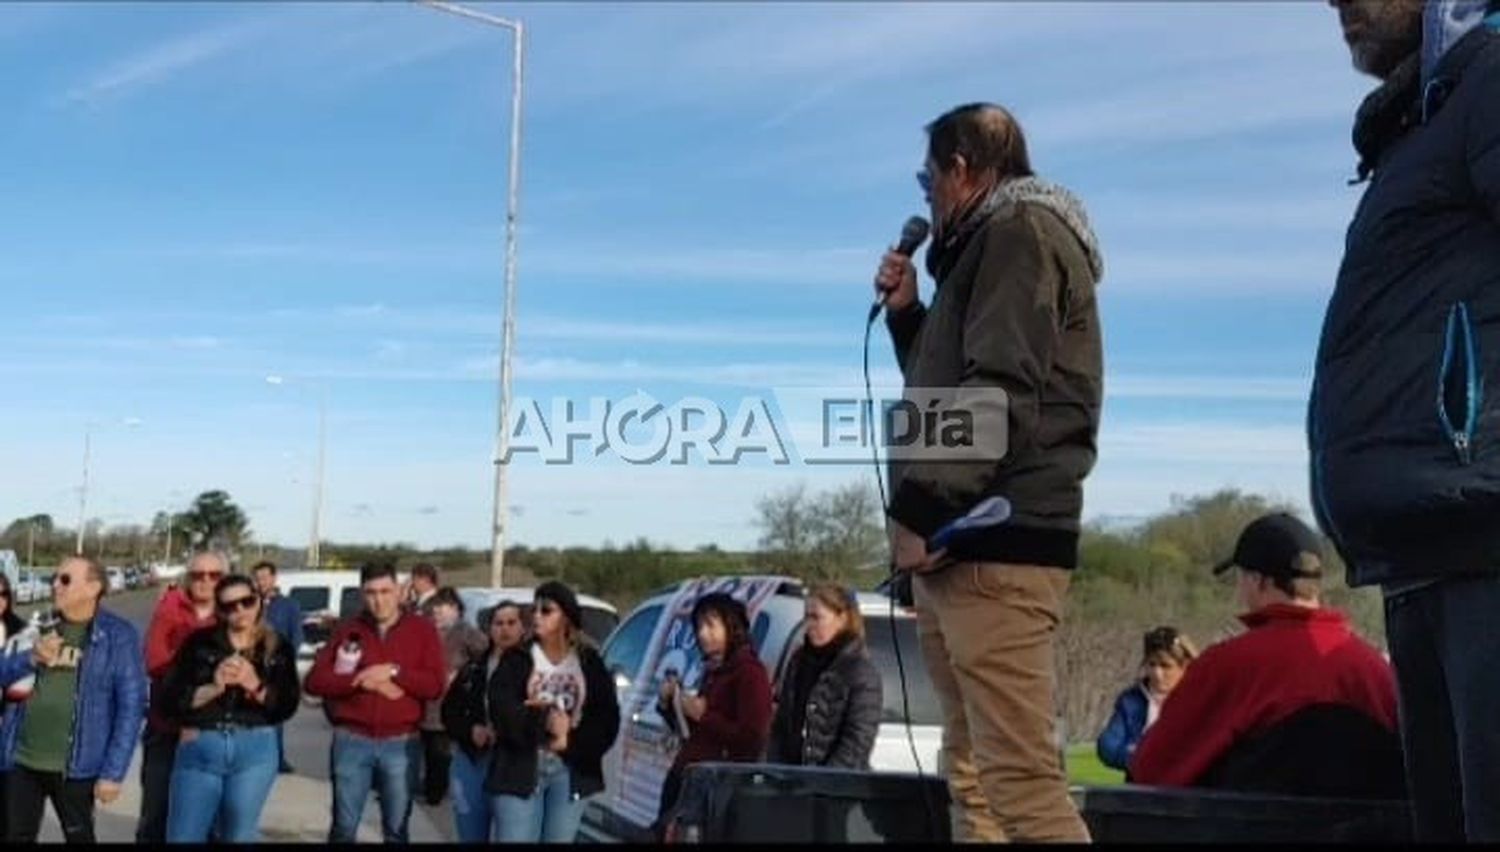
x: 829, y: 705
x: 230, y: 685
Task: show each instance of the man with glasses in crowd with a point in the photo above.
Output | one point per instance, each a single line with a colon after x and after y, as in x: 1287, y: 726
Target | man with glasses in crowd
x: 177, y: 616
x: 375, y: 675
x: 1017, y: 265
x: 72, y: 740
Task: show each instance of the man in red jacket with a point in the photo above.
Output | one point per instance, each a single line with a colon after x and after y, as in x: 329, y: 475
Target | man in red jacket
x: 179, y: 613
x: 375, y: 675
x: 1229, y: 723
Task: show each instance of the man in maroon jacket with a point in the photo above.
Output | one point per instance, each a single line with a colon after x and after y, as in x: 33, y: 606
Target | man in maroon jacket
x: 375, y: 674
x: 1229, y: 722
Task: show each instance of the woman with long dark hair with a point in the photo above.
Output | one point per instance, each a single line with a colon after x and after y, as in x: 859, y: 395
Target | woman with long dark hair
x: 554, y: 713
x: 730, y: 717
x: 229, y: 687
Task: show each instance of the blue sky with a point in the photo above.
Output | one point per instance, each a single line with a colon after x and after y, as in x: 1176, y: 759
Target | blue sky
x: 199, y: 195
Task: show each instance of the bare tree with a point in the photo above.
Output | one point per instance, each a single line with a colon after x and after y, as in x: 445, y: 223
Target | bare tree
x: 823, y: 537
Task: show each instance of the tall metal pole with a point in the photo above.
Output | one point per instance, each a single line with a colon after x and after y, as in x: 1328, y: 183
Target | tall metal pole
x: 314, y: 556
x: 83, y: 492
x: 30, y: 545
x: 502, y: 463
x: 167, y: 558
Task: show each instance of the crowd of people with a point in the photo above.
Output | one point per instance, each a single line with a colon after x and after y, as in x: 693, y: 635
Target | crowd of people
x: 510, y: 720
x: 514, y: 723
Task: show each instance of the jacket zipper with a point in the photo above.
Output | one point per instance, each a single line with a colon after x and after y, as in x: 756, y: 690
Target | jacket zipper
x: 78, y: 702
x: 1458, y: 340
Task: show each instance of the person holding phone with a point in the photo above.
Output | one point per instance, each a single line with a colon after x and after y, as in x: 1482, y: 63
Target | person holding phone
x: 554, y: 714
x: 71, y: 741
x: 730, y: 720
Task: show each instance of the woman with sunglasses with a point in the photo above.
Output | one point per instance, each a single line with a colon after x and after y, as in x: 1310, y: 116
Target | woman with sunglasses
x: 229, y: 687
x: 554, y: 714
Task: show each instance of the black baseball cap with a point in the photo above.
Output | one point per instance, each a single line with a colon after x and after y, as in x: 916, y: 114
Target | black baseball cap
x: 1277, y: 545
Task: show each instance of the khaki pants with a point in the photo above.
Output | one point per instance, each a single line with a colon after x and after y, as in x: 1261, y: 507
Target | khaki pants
x: 987, y: 637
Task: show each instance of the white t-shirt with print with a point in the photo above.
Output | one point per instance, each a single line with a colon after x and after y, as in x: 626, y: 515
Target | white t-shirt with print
x: 563, y: 679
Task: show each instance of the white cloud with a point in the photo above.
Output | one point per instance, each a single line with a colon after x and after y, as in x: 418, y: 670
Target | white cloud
x: 1209, y: 272
x: 630, y: 372
x: 196, y: 342
x: 1224, y: 387
x: 1204, y: 442
x: 1212, y: 211
x: 391, y: 350
x: 165, y: 61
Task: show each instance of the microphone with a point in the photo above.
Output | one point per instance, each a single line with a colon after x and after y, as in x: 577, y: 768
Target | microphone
x: 913, y: 233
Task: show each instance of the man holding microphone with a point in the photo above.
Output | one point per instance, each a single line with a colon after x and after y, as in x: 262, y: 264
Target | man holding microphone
x: 1013, y: 317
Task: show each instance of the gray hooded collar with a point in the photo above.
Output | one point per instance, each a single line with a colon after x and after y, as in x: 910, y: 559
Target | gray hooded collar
x: 1002, y: 201
x: 1444, y: 23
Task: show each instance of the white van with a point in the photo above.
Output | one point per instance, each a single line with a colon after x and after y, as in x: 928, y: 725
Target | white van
x: 599, y: 616
x: 655, y: 636
x: 326, y: 598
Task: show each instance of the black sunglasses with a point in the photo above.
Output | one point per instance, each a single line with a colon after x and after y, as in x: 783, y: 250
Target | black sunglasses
x: 246, y: 603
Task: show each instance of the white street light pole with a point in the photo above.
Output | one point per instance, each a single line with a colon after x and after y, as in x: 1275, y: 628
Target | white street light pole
x: 508, y: 324
x: 314, y: 552
x: 83, y: 492
x: 314, y: 557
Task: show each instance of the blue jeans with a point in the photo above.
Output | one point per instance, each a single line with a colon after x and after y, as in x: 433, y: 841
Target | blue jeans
x: 473, y: 818
x: 390, y: 766
x: 1444, y: 646
x: 220, y: 779
x: 549, y: 815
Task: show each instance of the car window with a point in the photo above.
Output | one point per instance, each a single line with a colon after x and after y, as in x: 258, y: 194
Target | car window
x: 759, y: 629
x: 310, y: 598
x: 626, y: 648
x: 598, y: 623
x: 350, y: 602
x: 924, y: 704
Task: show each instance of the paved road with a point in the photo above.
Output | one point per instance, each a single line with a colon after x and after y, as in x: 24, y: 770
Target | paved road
x: 298, y: 809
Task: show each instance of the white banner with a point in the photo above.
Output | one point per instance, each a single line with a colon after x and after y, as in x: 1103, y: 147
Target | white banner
x: 648, y: 747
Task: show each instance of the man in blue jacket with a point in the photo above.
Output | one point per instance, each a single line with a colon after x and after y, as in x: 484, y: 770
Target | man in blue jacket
x: 1402, y: 429
x: 285, y: 617
x: 71, y: 741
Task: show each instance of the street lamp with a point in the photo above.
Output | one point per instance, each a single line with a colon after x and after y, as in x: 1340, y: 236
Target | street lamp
x: 313, y: 558
x: 508, y: 325
x: 83, y: 492
x: 172, y: 498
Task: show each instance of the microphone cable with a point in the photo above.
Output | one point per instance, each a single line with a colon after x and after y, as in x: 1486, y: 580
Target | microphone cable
x: 894, y: 573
